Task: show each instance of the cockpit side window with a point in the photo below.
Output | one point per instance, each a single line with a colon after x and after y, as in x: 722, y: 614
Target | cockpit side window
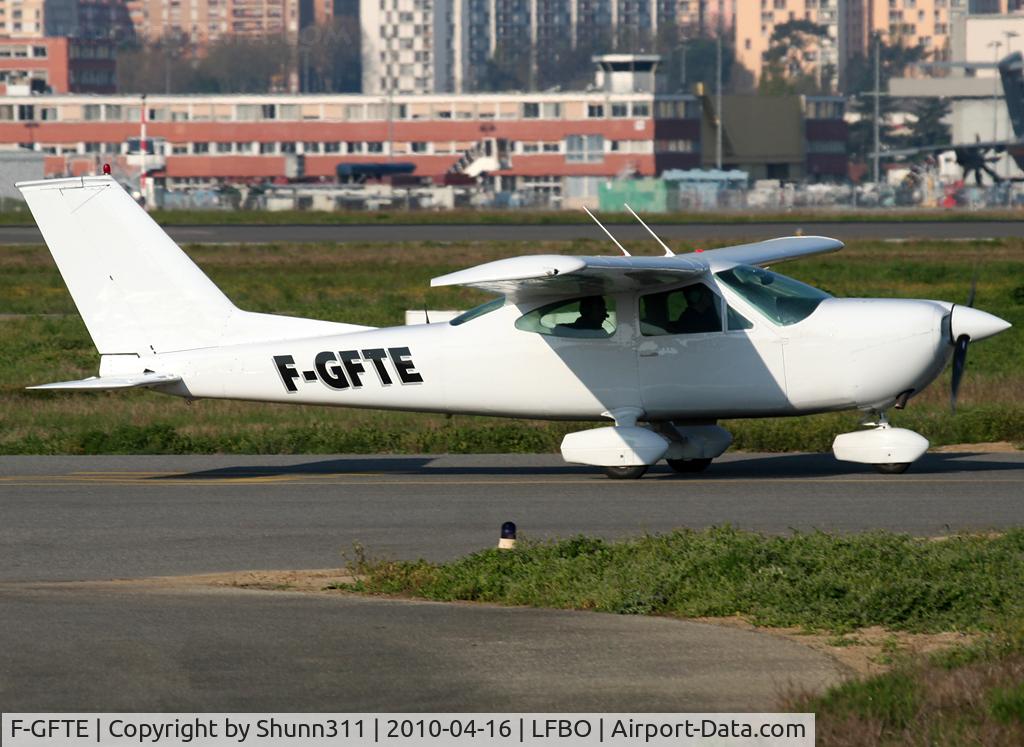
x: 783, y: 300
x: 588, y: 317
x: 683, y: 311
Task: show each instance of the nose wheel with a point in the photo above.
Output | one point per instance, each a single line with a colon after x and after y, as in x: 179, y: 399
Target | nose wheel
x: 626, y: 473
x: 892, y: 468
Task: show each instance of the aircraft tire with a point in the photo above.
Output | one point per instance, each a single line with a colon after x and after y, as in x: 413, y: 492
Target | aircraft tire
x: 892, y: 468
x: 626, y: 473
x: 688, y: 466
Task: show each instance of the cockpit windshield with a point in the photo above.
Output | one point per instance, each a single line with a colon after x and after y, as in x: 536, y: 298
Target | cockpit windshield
x: 467, y: 316
x: 783, y: 300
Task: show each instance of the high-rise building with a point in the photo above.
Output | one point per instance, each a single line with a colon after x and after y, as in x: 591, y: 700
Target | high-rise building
x: 408, y: 45
x: 203, y: 21
x: 78, y: 19
x: 906, y: 22
x: 702, y: 16
x: 851, y: 25
x: 420, y: 45
x: 756, y: 21
x: 22, y: 18
x: 88, y: 19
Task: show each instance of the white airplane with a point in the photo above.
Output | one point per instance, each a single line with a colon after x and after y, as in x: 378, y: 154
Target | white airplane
x: 663, y: 347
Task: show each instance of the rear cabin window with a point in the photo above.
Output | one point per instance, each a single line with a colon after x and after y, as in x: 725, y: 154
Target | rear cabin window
x: 588, y: 317
x: 478, y: 311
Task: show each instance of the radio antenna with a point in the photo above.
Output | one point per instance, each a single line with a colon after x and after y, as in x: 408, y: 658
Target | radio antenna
x: 621, y: 247
x: 668, y: 252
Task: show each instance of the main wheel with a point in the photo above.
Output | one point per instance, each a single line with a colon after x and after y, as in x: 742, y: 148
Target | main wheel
x: 688, y: 465
x: 892, y: 468
x: 626, y: 473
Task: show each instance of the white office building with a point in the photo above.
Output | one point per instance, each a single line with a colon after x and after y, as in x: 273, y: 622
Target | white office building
x: 409, y: 46
x: 437, y: 46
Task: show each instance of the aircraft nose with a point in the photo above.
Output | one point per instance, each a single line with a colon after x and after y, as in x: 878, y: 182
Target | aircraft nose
x: 974, y: 323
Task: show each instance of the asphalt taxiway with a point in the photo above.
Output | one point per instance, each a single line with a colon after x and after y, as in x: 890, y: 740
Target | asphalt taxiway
x: 70, y: 638
x: 726, y: 232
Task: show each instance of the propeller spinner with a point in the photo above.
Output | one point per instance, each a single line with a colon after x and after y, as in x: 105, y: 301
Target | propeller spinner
x: 966, y: 325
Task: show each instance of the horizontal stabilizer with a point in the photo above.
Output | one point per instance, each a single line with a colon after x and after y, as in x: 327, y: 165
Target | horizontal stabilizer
x: 112, y: 382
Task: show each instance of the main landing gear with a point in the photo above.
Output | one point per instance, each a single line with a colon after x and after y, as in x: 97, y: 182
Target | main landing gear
x: 626, y: 450
x: 682, y: 466
x: 688, y: 466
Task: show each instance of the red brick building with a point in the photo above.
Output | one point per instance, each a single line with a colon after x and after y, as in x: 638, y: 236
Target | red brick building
x: 550, y: 143
x: 529, y: 140
x: 56, y: 65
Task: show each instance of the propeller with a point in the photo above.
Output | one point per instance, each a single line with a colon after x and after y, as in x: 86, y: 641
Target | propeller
x: 959, y: 362
x: 977, y: 161
x: 960, y: 345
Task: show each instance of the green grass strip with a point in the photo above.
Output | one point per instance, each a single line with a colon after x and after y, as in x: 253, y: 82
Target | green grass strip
x: 815, y: 580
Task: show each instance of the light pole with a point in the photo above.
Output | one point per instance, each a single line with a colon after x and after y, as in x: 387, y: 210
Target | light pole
x: 878, y: 86
x: 718, y: 99
x: 995, y: 89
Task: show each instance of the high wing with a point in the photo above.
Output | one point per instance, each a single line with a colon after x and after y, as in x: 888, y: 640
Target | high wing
x: 555, y: 274
x: 773, y: 251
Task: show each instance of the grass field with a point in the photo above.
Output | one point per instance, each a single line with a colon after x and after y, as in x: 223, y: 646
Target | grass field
x: 42, y: 339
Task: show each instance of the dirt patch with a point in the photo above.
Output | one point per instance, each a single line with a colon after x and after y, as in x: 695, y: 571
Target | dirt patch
x: 865, y: 652
x: 311, y: 581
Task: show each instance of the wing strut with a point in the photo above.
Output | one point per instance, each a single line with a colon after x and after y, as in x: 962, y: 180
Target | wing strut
x: 621, y: 247
x: 668, y: 252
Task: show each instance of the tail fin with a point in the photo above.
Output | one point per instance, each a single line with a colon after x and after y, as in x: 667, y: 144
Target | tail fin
x: 1011, y: 70
x: 137, y: 292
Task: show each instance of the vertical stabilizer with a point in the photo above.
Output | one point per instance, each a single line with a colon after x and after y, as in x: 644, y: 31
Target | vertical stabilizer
x: 138, y: 293
x: 1011, y: 70
x: 135, y: 289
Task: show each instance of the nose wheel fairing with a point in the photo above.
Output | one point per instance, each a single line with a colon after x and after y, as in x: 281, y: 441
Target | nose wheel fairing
x: 890, y: 450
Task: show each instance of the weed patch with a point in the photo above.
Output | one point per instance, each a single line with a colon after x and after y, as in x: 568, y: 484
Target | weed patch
x: 816, y: 581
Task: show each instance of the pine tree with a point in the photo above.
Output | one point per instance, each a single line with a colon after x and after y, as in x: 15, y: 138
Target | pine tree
x: 929, y: 129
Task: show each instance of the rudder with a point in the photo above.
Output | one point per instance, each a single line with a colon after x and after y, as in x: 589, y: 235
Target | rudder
x: 135, y: 289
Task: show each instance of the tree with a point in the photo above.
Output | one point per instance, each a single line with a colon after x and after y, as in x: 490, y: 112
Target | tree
x: 894, y: 60
x: 786, y: 69
x: 929, y: 129
x: 329, y: 57
x: 323, y: 58
x: 508, y: 69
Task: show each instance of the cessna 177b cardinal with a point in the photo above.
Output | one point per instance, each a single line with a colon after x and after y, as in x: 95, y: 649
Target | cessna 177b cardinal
x: 662, y: 347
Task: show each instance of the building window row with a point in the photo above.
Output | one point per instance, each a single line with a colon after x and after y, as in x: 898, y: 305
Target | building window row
x: 372, y: 111
x: 675, y: 146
